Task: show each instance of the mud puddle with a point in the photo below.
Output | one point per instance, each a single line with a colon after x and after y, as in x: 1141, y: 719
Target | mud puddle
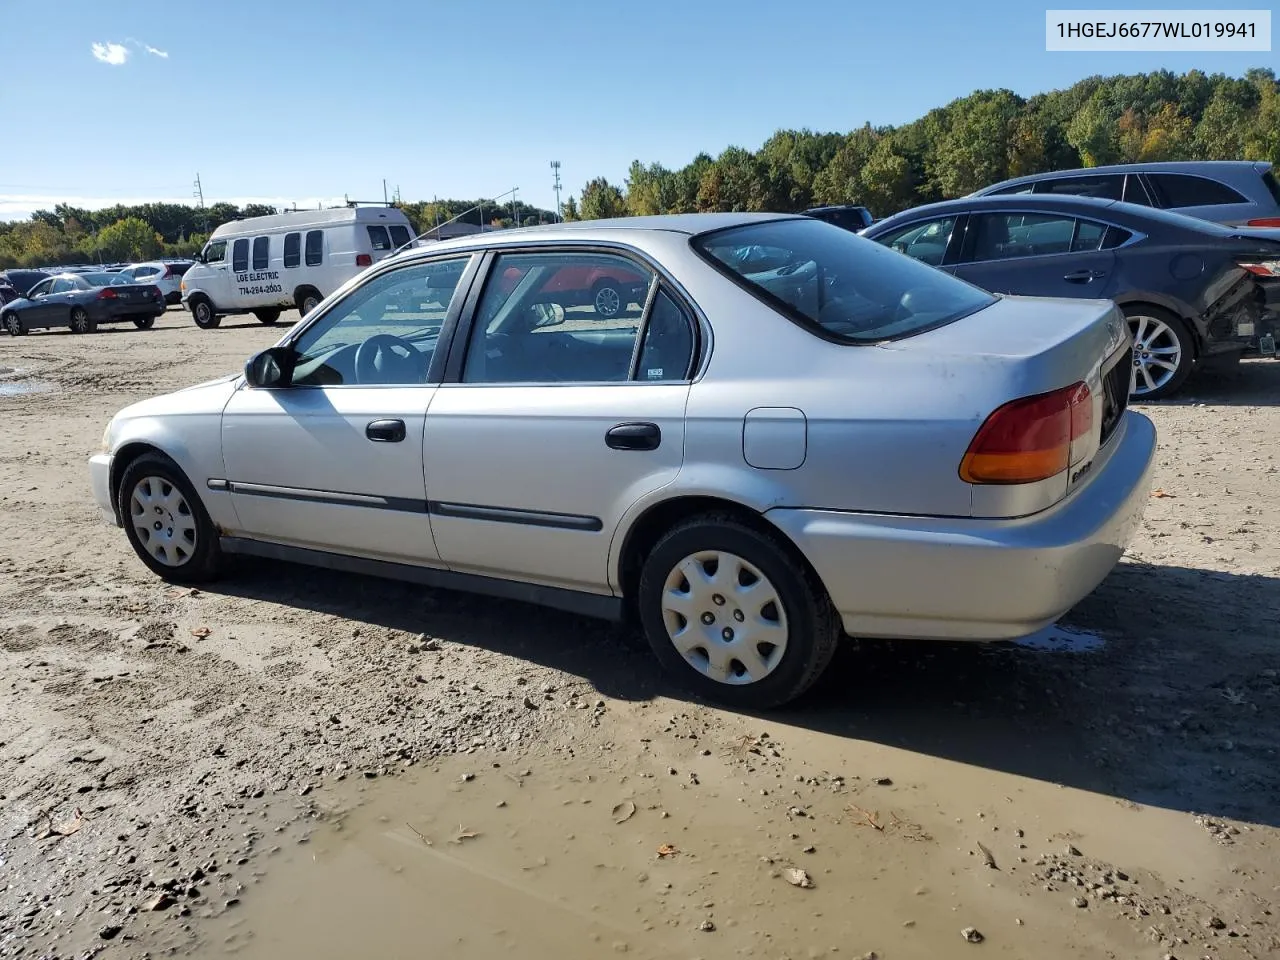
x: 1059, y: 639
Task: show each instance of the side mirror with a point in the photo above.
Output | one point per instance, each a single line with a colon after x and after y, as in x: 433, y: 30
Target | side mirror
x: 548, y: 315
x: 272, y: 367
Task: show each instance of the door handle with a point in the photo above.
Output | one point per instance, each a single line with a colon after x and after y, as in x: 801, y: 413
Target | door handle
x: 633, y: 436
x: 385, y: 431
x: 1084, y: 276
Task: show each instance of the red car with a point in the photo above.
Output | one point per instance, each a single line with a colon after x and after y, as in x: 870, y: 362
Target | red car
x: 606, y: 287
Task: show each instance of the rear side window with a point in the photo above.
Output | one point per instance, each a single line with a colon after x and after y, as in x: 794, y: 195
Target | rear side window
x: 1176, y: 190
x: 378, y: 237
x: 1115, y: 237
x: 292, y: 249
x: 1134, y: 191
x: 240, y: 256
x: 1088, y: 236
x: 835, y: 282
x: 315, y: 247
x: 261, y: 252
x: 1109, y: 186
x: 399, y: 235
x: 1272, y: 185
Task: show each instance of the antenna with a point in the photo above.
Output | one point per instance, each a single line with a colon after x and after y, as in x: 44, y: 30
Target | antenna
x: 555, y: 169
x: 198, y: 193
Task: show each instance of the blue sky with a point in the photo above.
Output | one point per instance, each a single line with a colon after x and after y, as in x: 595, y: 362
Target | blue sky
x: 295, y: 101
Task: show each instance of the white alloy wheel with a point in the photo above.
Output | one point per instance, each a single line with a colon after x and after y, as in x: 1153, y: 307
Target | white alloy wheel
x: 1157, y: 353
x: 163, y: 521
x: 724, y: 617
x: 608, y: 302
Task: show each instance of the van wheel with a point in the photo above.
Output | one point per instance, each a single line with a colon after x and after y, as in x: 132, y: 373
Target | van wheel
x: 203, y: 314
x: 307, y: 299
x: 144, y: 323
x: 13, y: 323
x: 81, y: 322
x: 267, y: 317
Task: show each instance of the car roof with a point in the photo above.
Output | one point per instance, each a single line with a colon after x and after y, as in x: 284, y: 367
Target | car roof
x: 1149, y: 166
x: 1050, y: 201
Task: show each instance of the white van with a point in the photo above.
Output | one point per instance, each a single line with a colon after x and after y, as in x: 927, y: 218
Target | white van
x: 262, y: 265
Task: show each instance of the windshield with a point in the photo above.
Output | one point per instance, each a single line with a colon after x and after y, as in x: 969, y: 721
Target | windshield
x: 852, y: 288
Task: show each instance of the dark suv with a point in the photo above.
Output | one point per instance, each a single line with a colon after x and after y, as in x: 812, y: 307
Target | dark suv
x: 843, y: 215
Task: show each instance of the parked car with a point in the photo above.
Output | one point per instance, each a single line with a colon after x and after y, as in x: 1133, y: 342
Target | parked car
x: 1194, y: 292
x: 749, y: 469
x: 608, y: 288
x: 7, y: 291
x: 165, y: 274
x: 81, y: 301
x: 1233, y: 192
x: 263, y: 265
x: 23, y: 280
x: 843, y: 215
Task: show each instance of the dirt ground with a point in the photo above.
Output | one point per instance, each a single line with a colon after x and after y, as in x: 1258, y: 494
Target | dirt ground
x: 300, y: 763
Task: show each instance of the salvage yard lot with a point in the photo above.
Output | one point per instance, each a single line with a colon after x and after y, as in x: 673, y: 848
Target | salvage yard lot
x: 157, y: 744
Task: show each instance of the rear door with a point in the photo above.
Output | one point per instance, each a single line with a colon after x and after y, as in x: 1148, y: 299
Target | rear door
x: 1036, y: 254
x: 553, y: 421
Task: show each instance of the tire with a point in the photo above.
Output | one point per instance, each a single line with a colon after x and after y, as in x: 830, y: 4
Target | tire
x: 1161, y: 332
x: 306, y: 300
x: 14, y: 325
x: 81, y: 322
x: 267, y: 317
x: 808, y: 626
x: 185, y: 547
x: 144, y: 323
x: 608, y: 299
x: 202, y: 312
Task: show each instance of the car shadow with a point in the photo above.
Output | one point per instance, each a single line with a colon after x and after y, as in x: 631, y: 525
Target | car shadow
x: 1253, y: 382
x: 1171, y: 698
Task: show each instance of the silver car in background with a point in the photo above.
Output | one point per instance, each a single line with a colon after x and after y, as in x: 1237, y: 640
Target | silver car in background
x: 798, y: 434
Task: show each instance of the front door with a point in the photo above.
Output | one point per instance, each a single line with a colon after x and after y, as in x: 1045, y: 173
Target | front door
x: 1035, y: 254
x: 557, y: 422
x: 42, y: 304
x: 333, y: 461
x: 214, y: 278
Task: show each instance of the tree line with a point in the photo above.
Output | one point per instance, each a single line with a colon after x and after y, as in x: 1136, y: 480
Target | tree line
x: 950, y: 151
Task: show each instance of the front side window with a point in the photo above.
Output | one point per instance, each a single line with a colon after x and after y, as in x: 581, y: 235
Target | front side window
x: 315, y: 247
x: 1004, y: 236
x: 382, y: 332
x: 240, y: 256
x: 848, y: 287
x: 292, y: 249
x: 926, y: 242
x: 261, y: 252
x: 215, y: 252
x: 1183, y: 190
x: 1108, y: 186
x: 40, y: 289
x: 558, y: 318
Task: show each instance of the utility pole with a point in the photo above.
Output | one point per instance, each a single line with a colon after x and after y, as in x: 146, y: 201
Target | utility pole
x: 515, y: 213
x: 555, y: 169
x: 198, y: 193
x: 384, y: 191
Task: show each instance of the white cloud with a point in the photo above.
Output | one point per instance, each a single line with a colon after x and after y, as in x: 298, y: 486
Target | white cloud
x: 112, y: 53
x: 156, y: 53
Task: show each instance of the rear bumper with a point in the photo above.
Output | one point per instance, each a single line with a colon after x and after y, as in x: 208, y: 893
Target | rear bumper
x: 956, y: 579
x: 100, y: 482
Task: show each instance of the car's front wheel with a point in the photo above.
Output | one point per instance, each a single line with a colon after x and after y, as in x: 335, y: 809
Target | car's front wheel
x: 731, y: 613
x: 165, y: 521
x: 1163, y: 351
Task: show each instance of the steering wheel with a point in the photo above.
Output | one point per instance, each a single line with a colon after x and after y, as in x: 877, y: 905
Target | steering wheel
x: 385, y: 358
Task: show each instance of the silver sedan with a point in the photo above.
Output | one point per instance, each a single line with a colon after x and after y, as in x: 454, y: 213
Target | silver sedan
x: 783, y: 434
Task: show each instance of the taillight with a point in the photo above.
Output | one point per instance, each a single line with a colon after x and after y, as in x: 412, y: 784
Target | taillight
x: 364, y: 260
x: 1263, y: 268
x: 168, y: 272
x: 106, y: 293
x: 1264, y: 222
x: 1032, y: 438
x: 157, y: 292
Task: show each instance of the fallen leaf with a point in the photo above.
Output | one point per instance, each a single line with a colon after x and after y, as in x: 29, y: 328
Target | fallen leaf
x: 624, y: 811
x: 1159, y: 492
x: 988, y: 857
x: 798, y: 878
x: 64, y: 829
x: 464, y: 834
x: 667, y: 850
x: 201, y: 632
x: 183, y: 592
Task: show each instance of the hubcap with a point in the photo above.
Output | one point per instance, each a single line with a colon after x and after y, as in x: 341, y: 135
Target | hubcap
x: 163, y: 521
x: 1156, y: 353
x: 309, y: 304
x: 725, y: 617
x: 608, y: 302
x: 202, y: 312
x: 78, y: 319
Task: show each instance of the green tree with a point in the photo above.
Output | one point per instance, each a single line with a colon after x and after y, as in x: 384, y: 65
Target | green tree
x: 1092, y: 131
x: 600, y: 200
x: 1168, y: 135
x: 129, y: 239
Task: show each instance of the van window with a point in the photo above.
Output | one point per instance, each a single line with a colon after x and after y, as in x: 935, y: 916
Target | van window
x: 315, y: 247
x: 378, y: 237
x: 261, y: 252
x: 215, y: 252
x: 292, y: 249
x: 240, y: 256
x: 399, y: 235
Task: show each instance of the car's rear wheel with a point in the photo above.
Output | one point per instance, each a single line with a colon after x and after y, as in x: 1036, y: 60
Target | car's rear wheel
x: 13, y: 323
x: 165, y: 521
x: 267, y: 317
x: 607, y: 299
x: 202, y: 313
x: 1163, y: 351
x: 144, y: 323
x: 306, y: 300
x: 81, y: 322
x: 730, y: 612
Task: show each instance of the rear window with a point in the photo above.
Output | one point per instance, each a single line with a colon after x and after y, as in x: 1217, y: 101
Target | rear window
x: 399, y: 235
x: 378, y: 237
x: 1272, y: 185
x: 1183, y: 190
x: 836, y: 282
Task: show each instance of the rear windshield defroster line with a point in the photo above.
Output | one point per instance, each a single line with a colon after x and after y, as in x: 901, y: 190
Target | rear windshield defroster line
x: 842, y: 287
